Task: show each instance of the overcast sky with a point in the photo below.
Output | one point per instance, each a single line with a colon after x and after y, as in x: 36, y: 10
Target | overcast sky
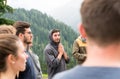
x: 41, y: 5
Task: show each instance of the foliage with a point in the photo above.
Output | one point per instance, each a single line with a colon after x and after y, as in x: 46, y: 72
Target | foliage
x: 4, y: 8
x: 41, y: 24
x: 6, y: 21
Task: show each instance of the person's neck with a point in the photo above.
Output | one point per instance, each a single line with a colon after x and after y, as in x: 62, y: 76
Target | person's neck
x: 54, y: 43
x: 25, y: 45
x: 9, y: 74
x: 108, y: 56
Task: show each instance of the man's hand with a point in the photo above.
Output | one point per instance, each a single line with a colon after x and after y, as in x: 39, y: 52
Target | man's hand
x: 60, y: 51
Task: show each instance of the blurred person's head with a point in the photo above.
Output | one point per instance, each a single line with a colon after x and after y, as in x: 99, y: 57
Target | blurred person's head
x: 7, y: 29
x: 100, y: 20
x: 23, y: 31
x: 12, y: 54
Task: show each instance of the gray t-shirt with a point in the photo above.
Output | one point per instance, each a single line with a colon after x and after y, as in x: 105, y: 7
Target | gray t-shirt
x: 80, y: 72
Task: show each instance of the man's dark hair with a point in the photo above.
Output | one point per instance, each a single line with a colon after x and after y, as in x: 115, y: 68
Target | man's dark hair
x: 20, y: 26
x: 54, y: 31
x: 101, y: 20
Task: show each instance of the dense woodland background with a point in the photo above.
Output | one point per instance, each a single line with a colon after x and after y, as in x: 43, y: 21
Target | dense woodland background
x: 41, y: 24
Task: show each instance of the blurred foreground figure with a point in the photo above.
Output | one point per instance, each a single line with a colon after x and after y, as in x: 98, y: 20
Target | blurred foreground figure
x: 101, y: 26
x: 7, y: 29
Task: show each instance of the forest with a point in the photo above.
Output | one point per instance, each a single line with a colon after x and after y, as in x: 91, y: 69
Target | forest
x: 41, y: 24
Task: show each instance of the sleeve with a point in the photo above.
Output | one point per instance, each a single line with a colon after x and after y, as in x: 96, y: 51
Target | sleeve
x: 68, y: 60
x: 52, y: 61
x: 75, y: 50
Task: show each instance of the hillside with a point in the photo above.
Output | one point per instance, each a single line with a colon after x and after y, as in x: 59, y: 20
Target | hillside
x: 41, y: 24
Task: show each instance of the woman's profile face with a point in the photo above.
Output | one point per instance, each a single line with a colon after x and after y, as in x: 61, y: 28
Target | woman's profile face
x: 21, y: 58
x: 12, y: 54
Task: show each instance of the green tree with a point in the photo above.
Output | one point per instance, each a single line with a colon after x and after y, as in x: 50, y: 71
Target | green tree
x: 41, y: 24
x: 4, y: 8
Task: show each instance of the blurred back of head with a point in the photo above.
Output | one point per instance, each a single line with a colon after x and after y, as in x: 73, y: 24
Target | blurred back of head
x: 101, y: 20
x: 7, y: 29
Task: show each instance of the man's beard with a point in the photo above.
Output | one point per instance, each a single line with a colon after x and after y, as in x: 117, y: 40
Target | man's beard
x: 57, y: 42
x: 26, y: 41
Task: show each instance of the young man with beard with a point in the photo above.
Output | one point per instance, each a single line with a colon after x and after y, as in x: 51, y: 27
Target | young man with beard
x: 101, y: 27
x: 25, y: 34
x: 55, y: 55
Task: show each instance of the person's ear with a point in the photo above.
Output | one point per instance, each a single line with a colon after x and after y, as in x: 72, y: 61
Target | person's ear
x: 11, y: 59
x: 82, y: 31
x: 21, y: 36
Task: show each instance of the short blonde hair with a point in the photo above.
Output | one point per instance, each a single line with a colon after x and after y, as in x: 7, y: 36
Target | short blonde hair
x: 7, y: 29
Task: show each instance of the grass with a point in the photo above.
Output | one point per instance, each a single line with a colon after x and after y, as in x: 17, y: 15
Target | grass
x: 45, y: 76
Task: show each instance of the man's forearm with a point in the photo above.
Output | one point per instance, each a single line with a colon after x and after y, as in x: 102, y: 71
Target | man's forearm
x: 65, y: 56
x: 59, y: 56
